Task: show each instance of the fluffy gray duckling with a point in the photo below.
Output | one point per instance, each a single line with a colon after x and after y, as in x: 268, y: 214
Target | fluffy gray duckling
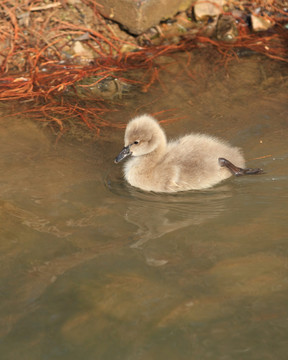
x: 192, y: 162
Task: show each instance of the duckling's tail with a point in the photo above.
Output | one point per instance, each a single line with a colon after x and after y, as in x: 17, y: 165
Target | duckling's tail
x: 237, y: 171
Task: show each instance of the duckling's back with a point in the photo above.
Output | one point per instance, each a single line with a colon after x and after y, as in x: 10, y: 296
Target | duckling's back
x: 195, y: 159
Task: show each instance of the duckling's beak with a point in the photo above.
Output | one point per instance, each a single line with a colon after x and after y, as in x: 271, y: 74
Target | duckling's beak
x: 123, y: 154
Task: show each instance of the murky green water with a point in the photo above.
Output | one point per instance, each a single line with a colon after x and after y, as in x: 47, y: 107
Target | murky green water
x: 94, y: 269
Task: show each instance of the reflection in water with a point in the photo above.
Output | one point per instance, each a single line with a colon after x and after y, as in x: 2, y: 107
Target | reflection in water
x: 158, y: 214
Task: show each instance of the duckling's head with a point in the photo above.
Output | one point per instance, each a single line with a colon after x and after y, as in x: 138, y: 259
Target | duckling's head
x: 143, y: 135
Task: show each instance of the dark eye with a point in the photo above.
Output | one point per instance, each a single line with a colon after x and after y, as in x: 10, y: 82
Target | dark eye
x: 136, y: 142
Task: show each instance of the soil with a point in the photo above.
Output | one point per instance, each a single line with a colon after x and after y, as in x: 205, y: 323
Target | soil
x: 65, y: 63
x: 73, y: 31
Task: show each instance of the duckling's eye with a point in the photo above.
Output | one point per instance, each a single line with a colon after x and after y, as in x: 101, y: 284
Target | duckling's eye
x: 136, y: 142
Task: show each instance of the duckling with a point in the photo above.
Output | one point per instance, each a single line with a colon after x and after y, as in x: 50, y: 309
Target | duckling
x: 193, y: 162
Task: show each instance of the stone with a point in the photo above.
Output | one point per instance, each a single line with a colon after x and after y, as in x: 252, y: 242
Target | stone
x: 226, y: 29
x: 259, y: 23
x: 208, y: 9
x: 80, y: 50
x: 137, y: 16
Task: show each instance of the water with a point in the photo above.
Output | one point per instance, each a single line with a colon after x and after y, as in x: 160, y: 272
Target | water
x: 92, y: 268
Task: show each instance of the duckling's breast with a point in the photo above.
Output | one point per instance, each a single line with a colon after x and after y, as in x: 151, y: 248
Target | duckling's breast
x: 149, y: 175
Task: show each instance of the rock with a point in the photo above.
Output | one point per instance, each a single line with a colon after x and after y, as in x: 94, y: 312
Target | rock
x: 80, y: 50
x: 226, y: 29
x: 138, y: 16
x: 94, y: 87
x: 259, y: 23
x: 204, y: 10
